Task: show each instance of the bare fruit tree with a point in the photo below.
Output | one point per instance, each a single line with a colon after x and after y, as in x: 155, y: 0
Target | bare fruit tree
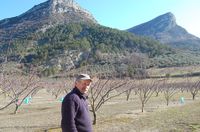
x: 130, y: 86
x: 170, y: 88
x: 58, y: 86
x: 102, y: 91
x: 159, y: 87
x: 193, y: 86
x: 146, y: 89
x: 17, y: 87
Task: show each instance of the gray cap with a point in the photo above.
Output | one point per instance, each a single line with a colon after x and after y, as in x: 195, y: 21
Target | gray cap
x: 83, y: 77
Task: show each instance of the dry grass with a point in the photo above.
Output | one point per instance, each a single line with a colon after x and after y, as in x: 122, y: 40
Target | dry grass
x: 43, y: 114
x: 120, y: 115
x: 173, y: 70
x: 157, y: 117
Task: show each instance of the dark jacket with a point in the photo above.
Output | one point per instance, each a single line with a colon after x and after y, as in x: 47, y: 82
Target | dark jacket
x: 75, y: 113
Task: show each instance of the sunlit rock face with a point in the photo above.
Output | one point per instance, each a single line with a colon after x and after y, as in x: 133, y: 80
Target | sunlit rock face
x: 165, y: 29
x: 42, y: 17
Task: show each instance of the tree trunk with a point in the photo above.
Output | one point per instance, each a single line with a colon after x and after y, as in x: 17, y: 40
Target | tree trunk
x: 128, y: 95
x: 16, y: 108
x: 157, y: 94
x: 167, y: 102
x: 193, y: 96
x: 142, y: 106
x: 94, y: 118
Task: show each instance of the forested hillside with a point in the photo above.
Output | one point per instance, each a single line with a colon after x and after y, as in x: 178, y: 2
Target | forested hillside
x: 72, y: 46
x: 83, y: 44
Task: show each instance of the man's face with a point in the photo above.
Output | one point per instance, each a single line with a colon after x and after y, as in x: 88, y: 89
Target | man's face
x: 83, y: 85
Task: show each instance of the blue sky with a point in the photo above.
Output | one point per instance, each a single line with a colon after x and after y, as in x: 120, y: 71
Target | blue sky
x: 123, y: 14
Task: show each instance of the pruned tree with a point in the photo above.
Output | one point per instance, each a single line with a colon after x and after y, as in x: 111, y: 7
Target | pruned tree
x: 193, y: 86
x: 158, y: 88
x: 131, y: 85
x: 58, y: 86
x: 170, y: 88
x: 102, y: 91
x: 146, y: 89
x: 17, y: 87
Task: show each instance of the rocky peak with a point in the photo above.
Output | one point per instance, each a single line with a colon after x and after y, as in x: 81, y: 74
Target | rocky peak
x: 43, y: 16
x: 161, y: 23
x: 165, y: 29
x: 62, y: 6
x: 165, y: 21
x: 58, y: 6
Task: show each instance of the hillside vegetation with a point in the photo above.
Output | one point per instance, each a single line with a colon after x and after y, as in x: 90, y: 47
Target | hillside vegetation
x: 82, y: 44
x: 69, y: 46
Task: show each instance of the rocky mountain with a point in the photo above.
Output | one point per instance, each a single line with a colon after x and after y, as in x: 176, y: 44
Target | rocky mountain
x: 58, y: 35
x: 165, y: 29
x: 42, y: 17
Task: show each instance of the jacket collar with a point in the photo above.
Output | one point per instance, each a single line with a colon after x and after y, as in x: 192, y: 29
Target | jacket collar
x: 77, y: 91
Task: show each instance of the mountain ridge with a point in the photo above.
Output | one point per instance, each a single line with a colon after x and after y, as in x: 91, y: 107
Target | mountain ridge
x: 43, y: 16
x: 59, y: 35
x: 165, y: 29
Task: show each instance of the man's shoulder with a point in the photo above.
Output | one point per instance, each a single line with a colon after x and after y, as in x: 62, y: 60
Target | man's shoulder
x: 72, y: 97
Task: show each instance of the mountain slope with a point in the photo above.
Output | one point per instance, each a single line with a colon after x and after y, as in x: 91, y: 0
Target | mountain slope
x: 60, y: 35
x: 165, y: 29
x: 43, y: 16
x: 71, y: 46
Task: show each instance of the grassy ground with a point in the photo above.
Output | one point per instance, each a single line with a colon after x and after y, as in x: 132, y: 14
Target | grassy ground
x: 117, y: 115
x: 173, y: 70
x: 157, y: 117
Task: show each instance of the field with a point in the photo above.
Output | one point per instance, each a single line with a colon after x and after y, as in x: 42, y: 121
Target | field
x: 117, y: 115
x: 173, y: 71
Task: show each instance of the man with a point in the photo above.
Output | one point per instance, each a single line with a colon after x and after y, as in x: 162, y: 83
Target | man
x: 75, y: 111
